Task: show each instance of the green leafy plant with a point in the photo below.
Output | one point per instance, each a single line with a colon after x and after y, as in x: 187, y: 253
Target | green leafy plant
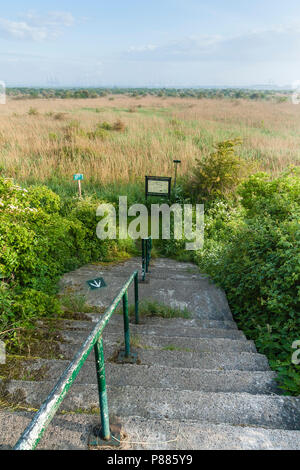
x: 253, y: 253
x: 217, y: 174
x: 37, y: 245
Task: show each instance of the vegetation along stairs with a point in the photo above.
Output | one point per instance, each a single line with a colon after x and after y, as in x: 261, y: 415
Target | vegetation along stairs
x: 198, y: 383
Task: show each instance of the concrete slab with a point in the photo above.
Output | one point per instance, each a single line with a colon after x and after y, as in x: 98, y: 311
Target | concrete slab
x: 197, y: 294
x: 239, y: 409
x: 70, y: 432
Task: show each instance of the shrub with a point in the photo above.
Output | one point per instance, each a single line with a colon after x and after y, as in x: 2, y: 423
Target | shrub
x: 59, y: 116
x: 93, y: 248
x: 106, y: 126
x: 119, y: 126
x: 98, y: 133
x: 38, y: 244
x: 217, y: 174
x: 279, y: 198
x: 33, y: 112
x: 255, y: 258
x: 40, y: 197
x: 20, y: 310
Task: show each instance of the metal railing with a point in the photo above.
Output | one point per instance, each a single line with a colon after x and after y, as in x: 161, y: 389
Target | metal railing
x: 147, y: 246
x: 35, y: 431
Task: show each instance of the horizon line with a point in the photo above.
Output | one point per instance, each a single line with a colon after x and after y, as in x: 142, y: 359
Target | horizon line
x: 262, y: 87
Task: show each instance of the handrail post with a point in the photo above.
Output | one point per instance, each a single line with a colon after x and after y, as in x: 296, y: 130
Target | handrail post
x: 126, y: 325
x: 100, y: 367
x: 149, y: 249
x: 136, y: 296
x: 143, y: 261
x: 147, y: 255
x: 147, y: 246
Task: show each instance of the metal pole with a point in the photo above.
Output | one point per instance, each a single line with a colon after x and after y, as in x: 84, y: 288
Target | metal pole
x: 150, y: 249
x: 136, y: 294
x: 176, y: 162
x: 100, y: 367
x: 126, y: 325
x: 147, y: 256
x: 143, y: 261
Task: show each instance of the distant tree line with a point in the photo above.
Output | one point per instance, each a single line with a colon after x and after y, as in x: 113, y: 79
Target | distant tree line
x: 199, y: 93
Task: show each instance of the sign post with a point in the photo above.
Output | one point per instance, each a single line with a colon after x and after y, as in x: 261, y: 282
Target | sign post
x: 78, y: 177
x: 176, y: 162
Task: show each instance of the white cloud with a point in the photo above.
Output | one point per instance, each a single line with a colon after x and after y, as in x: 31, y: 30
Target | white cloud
x: 282, y: 43
x: 148, y: 47
x: 36, y: 27
x: 52, y: 19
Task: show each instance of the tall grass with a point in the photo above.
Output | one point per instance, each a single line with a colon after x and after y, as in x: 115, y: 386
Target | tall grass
x: 37, y: 146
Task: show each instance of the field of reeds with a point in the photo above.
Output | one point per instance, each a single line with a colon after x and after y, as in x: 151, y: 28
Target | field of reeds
x: 121, y: 139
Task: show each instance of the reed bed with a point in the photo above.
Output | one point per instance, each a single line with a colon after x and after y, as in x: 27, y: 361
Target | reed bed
x: 42, y: 140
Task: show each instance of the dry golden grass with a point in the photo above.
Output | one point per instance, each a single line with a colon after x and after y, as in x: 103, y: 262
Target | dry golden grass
x: 158, y: 130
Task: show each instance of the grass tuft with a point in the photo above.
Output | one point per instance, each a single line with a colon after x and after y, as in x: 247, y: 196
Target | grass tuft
x: 150, y: 308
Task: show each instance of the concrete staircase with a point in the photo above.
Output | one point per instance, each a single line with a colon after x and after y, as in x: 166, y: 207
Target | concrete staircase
x: 198, y: 384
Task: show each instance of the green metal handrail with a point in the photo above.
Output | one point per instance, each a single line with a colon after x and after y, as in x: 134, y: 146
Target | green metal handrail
x: 147, y: 246
x: 35, y: 431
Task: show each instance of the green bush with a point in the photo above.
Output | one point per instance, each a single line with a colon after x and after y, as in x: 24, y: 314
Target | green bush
x: 278, y: 198
x: 255, y: 258
x: 40, y: 239
x: 20, y: 310
x: 92, y: 248
x: 217, y: 174
x: 33, y: 112
x: 36, y: 243
x: 40, y: 197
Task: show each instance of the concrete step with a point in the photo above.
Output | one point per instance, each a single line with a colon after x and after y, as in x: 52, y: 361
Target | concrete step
x: 167, y: 377
x: 184, y: 358
x: 238, y: 409
x: 175, y: 353
x: 243, y: 361
x: 186, y: 435
x: 187, y: 332
x: 70, y: 432
x: 151, y: 321
x: 113, y: 340
x: 208, y: 361
x: 171, y: 332
x: 159, y: 269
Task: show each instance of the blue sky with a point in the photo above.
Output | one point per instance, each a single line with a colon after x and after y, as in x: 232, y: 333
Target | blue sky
x: 150, y: 42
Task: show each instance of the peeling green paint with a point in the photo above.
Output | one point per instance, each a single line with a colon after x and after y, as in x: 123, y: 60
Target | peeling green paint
x: 35, y: 431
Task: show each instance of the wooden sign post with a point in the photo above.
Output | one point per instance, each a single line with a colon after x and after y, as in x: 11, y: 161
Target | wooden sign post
x: 79, y: 178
